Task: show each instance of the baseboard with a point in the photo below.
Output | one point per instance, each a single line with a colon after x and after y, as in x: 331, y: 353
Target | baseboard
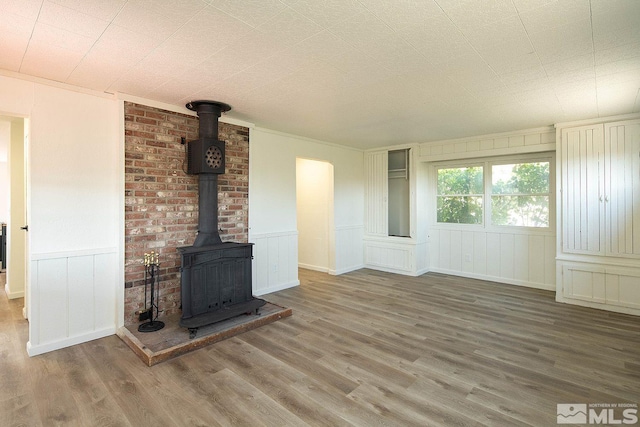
x: 543, y: 286
x: 34, y: 350
x: 277, y: 288
x: 397, y: 271
x: 12, y: 295
x: 597, y: 306
x: 313, y: 267
x: 346, y: 270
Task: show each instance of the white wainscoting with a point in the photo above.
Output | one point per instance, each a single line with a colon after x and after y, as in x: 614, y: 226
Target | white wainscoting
x: 73, y: 298
x: 526, y: 259
x: 275, y: 261
x: 395, y: 255
x: 600, y: 286
x: 349, y: 250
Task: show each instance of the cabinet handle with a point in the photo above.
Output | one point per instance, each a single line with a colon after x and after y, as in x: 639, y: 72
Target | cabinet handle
x: 606, y: 198
x: 601, y: 198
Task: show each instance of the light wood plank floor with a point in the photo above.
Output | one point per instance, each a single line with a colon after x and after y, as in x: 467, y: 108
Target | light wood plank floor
x: 366, y: 348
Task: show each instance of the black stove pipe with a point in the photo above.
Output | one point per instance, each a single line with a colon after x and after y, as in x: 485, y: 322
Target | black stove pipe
x: 208, y: 113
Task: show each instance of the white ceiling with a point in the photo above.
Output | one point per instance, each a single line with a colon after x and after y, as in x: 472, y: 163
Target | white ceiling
x: 363, y: 73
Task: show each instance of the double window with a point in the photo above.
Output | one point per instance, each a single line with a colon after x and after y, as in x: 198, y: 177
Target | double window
x: 505, y: 192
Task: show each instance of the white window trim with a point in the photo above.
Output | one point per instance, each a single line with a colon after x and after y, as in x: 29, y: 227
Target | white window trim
x: 487, y: 163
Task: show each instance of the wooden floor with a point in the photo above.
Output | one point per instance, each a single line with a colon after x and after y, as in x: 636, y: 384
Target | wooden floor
x: 365, y: 348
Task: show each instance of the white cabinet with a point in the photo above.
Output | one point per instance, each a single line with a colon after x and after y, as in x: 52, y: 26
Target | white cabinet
x: 600, y: 214
x: 582, y: 189
x: 391, y: 242
x: 622, y: 188
x: 601, y: 189
x: 376, y: 198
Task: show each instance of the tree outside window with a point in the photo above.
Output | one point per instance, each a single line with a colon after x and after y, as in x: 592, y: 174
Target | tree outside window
x: 460, y: 194
x: 520, y: 194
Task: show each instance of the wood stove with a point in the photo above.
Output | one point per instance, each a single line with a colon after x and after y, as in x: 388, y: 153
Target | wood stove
x: 215, y: 282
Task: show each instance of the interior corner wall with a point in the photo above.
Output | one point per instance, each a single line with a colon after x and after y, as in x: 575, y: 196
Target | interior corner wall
x: 272, y: 206
x: 76, y: 196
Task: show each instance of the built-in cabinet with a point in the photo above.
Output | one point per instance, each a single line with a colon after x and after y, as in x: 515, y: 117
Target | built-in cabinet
x: 599, y: 191
x: 391, y: 242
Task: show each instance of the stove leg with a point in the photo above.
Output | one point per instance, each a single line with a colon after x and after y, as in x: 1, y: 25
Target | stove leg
x: 192, y: 333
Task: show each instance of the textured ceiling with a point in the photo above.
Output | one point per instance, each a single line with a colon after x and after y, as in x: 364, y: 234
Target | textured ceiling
x: 363, y: 73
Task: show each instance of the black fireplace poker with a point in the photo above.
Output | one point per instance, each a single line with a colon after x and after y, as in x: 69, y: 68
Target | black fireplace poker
x: 151, y: 275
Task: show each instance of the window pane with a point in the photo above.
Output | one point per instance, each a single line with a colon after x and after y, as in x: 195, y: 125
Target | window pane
x: 520, y: 178
x: 460, y: 195
x: 460, y: 181
x: 520, y: 194
x: 523, y: 211
x: 460, y: 209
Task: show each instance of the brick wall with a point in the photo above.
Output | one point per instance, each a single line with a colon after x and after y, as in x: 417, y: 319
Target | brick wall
x: 161, y: 200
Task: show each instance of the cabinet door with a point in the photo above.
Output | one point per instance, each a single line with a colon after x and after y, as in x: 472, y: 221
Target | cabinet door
x: 376, y: 220
x: 583, y: 212
x: 622, y: 194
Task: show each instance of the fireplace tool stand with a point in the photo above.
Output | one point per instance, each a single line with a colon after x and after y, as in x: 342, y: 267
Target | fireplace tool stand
x: 151, y: 274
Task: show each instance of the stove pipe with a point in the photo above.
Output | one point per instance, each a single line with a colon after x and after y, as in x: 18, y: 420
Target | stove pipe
x: 208, y: 113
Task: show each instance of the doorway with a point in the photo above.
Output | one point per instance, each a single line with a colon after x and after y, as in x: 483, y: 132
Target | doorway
x: 314, y: 205
x: 13, y: 202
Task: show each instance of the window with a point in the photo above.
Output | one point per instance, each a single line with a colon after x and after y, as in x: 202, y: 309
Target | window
x: 506, y: 193
x: 460, y: 195
x: 520, y: 194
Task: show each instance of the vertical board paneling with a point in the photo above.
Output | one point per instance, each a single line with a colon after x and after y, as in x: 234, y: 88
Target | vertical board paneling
x: 493, y: 254
x: 466, y: 250
x: 521, y: 257
x: 390, y: 256
x: 275, y: 262
x: 623, y: 173
x: 76, y: 299
x: 507, y: 256
x: 525, y: 259
x: 81, y: 295
x: 376, y: 167
x: 105, y: 297
x: 536, y: 259
x: 616, y: 286
x: 612, y: 284
x: 583, y: 197
x: 480, y: 253
x: 633, y: 139
x: 349, y: 249
x: 444, y: 249
x: 53, y: 300
x: 455, y: 254
x: 549, y: 260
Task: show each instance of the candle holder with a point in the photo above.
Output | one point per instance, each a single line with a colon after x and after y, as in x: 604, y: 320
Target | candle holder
x: 151, y: 275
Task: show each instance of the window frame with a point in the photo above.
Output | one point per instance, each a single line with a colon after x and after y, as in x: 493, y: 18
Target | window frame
x: 487, y: 163
x: 483, y: 194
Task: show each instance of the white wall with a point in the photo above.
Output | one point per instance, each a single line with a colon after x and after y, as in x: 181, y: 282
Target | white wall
x: 76, y: 212
x: 272, y: 206
x: 314, y: 195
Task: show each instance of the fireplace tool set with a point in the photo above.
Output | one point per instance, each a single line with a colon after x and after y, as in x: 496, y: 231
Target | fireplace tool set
x: 151, y: 276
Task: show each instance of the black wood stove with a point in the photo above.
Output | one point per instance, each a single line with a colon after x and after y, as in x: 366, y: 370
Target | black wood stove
x: 215, y: 281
